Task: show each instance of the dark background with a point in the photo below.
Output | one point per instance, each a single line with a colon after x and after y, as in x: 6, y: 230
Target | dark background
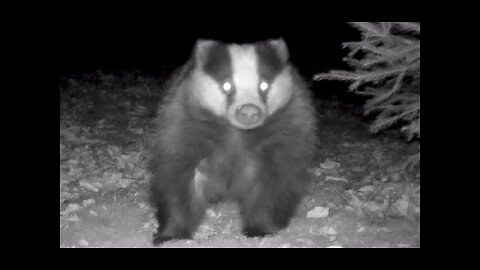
x: 116, y: 47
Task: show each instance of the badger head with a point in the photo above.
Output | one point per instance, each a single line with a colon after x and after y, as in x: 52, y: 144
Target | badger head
x: 243, y: 83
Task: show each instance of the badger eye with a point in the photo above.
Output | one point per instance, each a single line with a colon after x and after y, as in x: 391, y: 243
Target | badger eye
x: 264, y: 86
x: 227, y: 86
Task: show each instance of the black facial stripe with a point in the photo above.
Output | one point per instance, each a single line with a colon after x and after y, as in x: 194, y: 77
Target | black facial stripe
x: 269, y: 62
x: 263, y: 97
x: 218, y: 63
x: 231, y: 98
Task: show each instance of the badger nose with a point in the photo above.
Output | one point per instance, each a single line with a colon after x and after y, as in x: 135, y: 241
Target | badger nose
x: 248, y: 114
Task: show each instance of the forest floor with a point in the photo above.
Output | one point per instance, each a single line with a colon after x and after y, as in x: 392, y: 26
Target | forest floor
x: 361, y: 196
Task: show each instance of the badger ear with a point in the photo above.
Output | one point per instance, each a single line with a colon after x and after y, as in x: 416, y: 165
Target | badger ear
x: 202, y: 49
x: 281, y: 48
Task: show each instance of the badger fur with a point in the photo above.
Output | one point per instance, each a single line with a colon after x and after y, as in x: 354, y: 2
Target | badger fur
x: 237, y: 123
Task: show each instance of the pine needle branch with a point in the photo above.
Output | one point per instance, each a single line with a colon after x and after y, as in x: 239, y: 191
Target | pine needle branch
x: 409, y: 26
x: 368, y: 29
x: 386, y: 26
x: 386, y: 122
x: 382, y: 97
x: 385, y: 67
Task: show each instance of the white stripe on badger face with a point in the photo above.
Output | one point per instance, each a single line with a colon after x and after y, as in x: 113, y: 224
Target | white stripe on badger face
x: 245, y: 78
x: 281, y: 91
x: 208, y: 93
x: 245, y: 74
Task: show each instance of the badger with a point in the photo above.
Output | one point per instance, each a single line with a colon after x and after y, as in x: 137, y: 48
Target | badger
x: 237, y: 124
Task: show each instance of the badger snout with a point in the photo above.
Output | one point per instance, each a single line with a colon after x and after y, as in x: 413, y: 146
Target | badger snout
x: 248, y: 114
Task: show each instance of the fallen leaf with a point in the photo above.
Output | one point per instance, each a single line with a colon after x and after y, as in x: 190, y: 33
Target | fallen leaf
x: 138, y: 131
x: 375, y: 207
x: 318, y: 212
x: 70, y: 136
x: 73, y: 218
x: 326, y: 230
x: 307, y: 242
x: 71, y: 208
x: 139, y: 172
x: 333, y: 178
x: 211, y: 213
x: 87, y: 185
x: 330, y: 231
x: 367, y: 189
x: 395, y: 176
x: 401, y: 205
x: 83, y: 243
x: 378, y: 156
x: 88, y: 202
x: 328, y: 165
x: 316, y: 172
x: 98, y: 184
x: 115, y: 177
x: 74, y: 171
x: 149, y: 224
